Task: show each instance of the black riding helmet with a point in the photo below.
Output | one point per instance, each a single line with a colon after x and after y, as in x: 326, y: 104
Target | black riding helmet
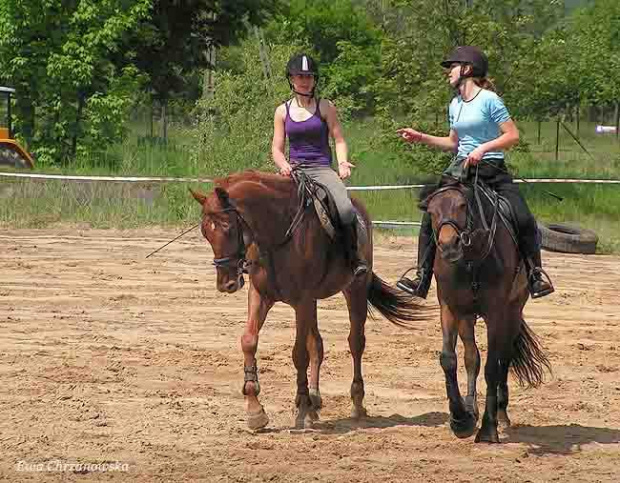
x: 302, y: 64
x: 467, y: 54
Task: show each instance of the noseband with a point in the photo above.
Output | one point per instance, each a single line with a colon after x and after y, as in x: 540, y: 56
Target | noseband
x: 238, y: 257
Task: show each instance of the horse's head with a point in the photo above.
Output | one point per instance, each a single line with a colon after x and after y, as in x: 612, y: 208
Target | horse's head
x: 223, y: 227
x: 448, y: 209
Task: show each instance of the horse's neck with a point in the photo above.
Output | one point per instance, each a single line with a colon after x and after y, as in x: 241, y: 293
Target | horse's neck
x: 267, y: 215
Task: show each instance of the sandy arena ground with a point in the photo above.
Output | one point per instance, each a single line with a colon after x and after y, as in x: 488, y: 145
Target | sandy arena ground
x: 107, y: 357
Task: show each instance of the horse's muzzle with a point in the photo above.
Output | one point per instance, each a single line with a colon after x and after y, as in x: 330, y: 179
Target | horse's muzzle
x: 451, y: 252
x: 231, y: 286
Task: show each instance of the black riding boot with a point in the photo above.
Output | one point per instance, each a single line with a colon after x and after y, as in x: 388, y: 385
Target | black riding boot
x: 538, y: 281
x: 358, y: 239
x: 420, y: 285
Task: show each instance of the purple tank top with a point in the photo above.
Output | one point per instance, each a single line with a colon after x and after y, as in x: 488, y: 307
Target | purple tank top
x: 308, y: 140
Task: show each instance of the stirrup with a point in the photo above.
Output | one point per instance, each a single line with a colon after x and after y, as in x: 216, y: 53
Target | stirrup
x: 406, y: 285
x: 417, y: 288
x: 539, y: 275
x: 360, y: 269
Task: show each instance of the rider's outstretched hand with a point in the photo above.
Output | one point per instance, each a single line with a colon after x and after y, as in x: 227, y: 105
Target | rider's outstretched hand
x: 344, y: 169
x: 410, y: 135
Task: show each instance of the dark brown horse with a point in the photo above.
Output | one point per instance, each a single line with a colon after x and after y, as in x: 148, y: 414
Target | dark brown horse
x: 254, y: 222
x: 479, y: 273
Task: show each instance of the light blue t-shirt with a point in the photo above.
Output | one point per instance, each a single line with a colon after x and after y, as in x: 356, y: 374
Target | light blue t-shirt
x: 477, y: 122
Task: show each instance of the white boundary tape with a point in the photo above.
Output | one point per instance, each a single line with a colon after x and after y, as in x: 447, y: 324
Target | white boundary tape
x: 156, y: 179
x: 384, y: 224
x: 120, y: 179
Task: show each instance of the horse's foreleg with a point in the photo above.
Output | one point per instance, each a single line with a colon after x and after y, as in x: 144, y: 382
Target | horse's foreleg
x: 356, y: 296
x: 502, y: 396
x: 305, y: 317
x: 472, y: 363
x: 314, y: 344
x: 258, y: 307
x: 462, y: 422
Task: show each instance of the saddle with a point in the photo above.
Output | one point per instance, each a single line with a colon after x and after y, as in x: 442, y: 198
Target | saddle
x: 311, y: 192
x: 485, y: 209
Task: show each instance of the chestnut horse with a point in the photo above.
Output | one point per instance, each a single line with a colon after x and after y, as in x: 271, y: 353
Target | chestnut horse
x: 479, y: 273
x: 255, y: 222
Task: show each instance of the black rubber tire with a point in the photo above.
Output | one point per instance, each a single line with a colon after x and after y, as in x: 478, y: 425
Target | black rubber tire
x: 10, y: 157
x: 565, y: 238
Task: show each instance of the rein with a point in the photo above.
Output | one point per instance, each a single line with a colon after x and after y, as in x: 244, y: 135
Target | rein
x: 238, y: 258
x: 465, y: 233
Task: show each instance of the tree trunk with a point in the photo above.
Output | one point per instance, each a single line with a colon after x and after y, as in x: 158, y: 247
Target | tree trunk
x: 26, y: 111
x: 208, y: 86
x: 76, y: 127
x: 539, y: 129
x: 617, y: 120
x: 164, y: 118
x: 152, y: 115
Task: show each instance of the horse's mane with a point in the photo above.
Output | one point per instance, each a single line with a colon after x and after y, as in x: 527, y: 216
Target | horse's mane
x: 279, y: 186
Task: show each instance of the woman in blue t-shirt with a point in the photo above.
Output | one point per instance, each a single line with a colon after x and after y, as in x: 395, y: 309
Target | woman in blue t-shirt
x: 480, y: 130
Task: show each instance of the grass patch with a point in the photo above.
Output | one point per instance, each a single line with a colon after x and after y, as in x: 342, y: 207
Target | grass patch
x: 39, y: 203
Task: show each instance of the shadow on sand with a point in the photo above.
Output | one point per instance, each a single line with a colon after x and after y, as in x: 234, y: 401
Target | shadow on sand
x: 564, y: 439
x: 346, y: 425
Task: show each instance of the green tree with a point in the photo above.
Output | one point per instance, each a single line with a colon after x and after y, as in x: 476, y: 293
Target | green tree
x: 71, y: 96
x: 346, y: 42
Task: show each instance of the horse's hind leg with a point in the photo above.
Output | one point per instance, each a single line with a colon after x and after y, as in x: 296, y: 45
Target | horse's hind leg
x: 305, y: 315
x: 356, y: 297
x: 258, y: 307
x: 462, y: 422
x: 472, y: 363
x: 314, y: 344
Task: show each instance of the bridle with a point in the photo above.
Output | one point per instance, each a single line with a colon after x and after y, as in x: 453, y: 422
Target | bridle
x: 465, y: 233
x: 238, y: 257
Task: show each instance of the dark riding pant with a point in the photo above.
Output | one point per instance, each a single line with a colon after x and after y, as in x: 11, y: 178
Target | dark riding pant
x: 496, y: 176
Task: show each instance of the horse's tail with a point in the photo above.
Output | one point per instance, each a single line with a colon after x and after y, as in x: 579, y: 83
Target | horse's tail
x: 529, y: 360
x: 395, y: 306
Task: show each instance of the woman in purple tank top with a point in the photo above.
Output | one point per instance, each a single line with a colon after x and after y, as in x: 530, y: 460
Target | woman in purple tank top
x: 308, y: 122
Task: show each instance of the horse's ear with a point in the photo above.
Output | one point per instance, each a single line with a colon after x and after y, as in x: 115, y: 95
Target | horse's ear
x: 198, y: 196
x: 222, y: 195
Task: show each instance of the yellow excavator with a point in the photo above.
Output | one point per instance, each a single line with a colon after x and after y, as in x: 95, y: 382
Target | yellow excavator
x: 11, y: 152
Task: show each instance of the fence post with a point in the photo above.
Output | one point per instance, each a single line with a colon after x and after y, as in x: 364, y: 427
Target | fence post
x: 617, y: 120
x: 557, y: 138
x: 578, y: 115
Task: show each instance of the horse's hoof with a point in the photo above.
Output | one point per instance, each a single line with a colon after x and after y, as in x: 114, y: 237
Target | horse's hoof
x: 315, y: 399
x: 302, y: 420
x: 463, y: 428
x: 313, y: 415
x: 487, y: 437
x: 258, y: 420
x: 472, y: 409
x: 358, y: 413
x: 503, y: 421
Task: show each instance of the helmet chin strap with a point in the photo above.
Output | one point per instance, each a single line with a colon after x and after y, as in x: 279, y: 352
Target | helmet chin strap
x: 303, y: 93
x: 461, y: 78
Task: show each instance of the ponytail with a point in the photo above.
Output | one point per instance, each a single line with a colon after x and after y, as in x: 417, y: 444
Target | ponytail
x: 485, y: 83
